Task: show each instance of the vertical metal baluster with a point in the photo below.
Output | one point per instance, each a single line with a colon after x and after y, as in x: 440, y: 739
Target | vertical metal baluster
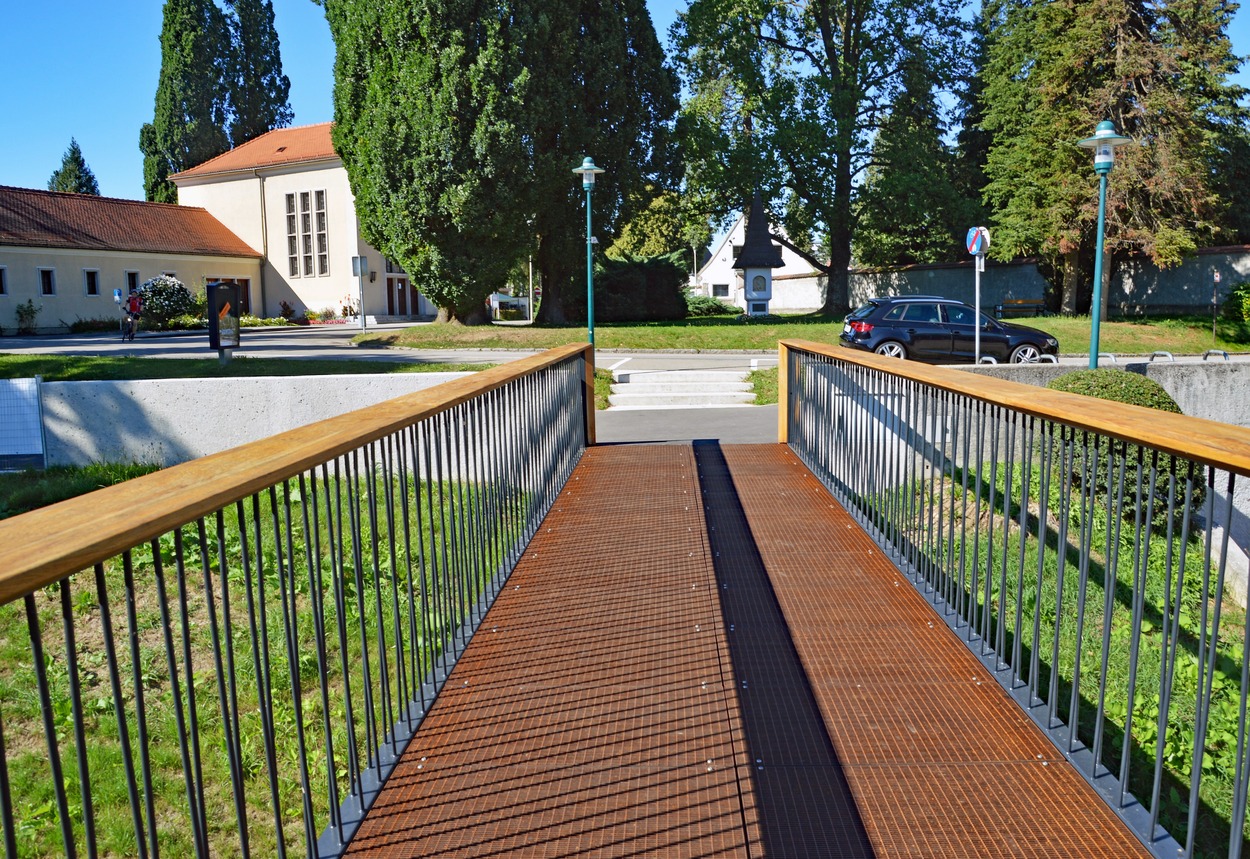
x: 7, y: 823
x: 1089, y: 491
x: 80, y: 734
x: 967, y: 585
x: 141, y: 710
x: 180, y: 574
x: 977, y: 610
x: 448, y: 585
x: 1045, y: 456
x: 1009, y: 473
x: 370, y: 479
x: 316, y: 596
x: 1110, y: 579
x: 354, y: 481
x: 399, y: 669
x: 1141, y: 556
x: 334, y: 526
x: 425, y: 662
x: 49, y: 733
x: 223, y: 700
x: 1208, y: 648
x: 123, y: 732
x: 260, y: 663
x: 198, y: 834
x: 412, y: 694
x: 929, y: 456
x: 462, y: 554
x: 988, y: 607
x: 946, y: 518
x: 436, y: 574
x: 1238, y: 816
x: 1171, y: 622
x: 1067, y: 465
x: 1026, y: 478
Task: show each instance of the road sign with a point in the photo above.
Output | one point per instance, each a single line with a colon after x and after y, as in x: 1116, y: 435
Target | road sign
x: 978, y: 240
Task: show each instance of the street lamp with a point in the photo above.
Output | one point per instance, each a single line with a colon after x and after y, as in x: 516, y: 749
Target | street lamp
x: 1104, y: 142
x: 589, y: 171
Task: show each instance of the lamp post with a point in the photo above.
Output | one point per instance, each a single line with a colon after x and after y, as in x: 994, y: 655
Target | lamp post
x: 588, y: 170
x: 1104, y: 142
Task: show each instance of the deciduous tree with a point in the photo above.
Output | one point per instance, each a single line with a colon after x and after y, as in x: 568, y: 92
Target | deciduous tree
x: 74, y: 175
x: 786, y: 98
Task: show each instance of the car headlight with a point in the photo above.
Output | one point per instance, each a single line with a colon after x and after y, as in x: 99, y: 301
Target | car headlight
x: 1051, y: 341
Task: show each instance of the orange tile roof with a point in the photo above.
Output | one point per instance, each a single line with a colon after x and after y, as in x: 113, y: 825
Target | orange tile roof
x: 274, y: 148
x: 51, y: 219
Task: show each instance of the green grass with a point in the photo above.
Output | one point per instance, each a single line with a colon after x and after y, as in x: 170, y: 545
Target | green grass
x: 80, y: 368
x: 21, y: 491
x: 1182, y: 335
x: 764, y: 383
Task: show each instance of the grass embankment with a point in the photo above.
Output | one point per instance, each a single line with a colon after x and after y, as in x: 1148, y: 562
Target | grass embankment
x: 1182, y: 335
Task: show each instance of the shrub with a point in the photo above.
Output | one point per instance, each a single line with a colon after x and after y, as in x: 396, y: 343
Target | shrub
x: 328, y: 313
x: 1134, y: 389
x: 27, y: 312
x: 635, y: 289
x: 705, y: 305
x: 249, y: 321
x: 1237, y: 305
x: 288, y: 311
x: 163, y: 299
x: 88, y: 326
x: 187, y: 322
x: 310, y: 315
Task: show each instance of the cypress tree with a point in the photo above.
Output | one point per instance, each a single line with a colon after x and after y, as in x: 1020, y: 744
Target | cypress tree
x: 259, y: 90
x: 74, y: 175
x: 192, y: 96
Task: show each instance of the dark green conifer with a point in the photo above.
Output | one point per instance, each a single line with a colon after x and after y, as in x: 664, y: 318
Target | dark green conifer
x: 74, y: 175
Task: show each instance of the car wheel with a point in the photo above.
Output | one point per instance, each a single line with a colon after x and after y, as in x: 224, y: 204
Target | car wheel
x: 1025, y: 353
x: 890, y: 349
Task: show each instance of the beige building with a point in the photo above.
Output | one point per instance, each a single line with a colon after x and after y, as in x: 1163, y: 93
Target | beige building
x: 286, y: 193
x: 70, y: 254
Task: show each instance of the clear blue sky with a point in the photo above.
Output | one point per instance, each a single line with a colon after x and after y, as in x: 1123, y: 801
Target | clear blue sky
x: 87, y: 70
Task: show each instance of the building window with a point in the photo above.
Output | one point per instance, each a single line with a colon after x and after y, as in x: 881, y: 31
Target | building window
x: 737, y: 249
x: 393, y: 267
x: 323, y: 244
x: 292, y: 238
x: 720, y: 290
x: 47, y: 281
x: 4, y: 280
x: 132, y: 280
x: 91, y: 281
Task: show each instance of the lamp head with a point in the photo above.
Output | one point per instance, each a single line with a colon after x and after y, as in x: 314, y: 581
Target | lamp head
x: 588, y: 171
x: 1104, y: 143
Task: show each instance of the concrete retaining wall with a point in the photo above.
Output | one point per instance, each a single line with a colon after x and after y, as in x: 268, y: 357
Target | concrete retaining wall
x: 168, y: 421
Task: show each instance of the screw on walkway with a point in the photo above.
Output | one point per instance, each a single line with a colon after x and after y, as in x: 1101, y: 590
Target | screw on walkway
x: 701, y: 655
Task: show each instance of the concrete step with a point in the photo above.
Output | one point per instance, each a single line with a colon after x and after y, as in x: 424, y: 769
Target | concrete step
x: 664, y: 386
x: 681, y: 389
x: 686, y: 401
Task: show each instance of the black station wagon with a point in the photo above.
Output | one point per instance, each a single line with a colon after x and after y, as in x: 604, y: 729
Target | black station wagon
x: 939, y: 330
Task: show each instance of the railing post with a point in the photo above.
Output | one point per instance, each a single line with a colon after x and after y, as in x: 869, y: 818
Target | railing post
x: 589, y: 359
x: 783, y: 393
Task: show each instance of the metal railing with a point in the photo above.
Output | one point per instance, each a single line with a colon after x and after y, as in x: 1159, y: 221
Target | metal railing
x: 1069, y: 542
x: 245, y: 643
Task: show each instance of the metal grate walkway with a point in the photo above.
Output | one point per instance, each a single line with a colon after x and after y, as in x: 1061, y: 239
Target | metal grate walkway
x: 702, y: 655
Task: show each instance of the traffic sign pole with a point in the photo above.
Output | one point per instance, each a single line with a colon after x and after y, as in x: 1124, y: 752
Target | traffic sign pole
x: 978, y: 242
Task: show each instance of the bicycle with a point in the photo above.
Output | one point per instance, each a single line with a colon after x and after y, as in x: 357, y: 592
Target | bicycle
x: 129, y: 325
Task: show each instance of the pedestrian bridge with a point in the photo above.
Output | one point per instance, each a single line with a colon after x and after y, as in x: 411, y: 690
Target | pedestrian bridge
x: 945, y: 616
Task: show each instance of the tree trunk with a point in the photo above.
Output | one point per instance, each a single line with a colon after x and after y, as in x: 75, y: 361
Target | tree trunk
x: 838, y: 292
x: 1071, y: 283
x: 552, y: 276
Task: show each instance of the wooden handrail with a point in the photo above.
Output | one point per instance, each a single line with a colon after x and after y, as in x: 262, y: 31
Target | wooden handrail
x: 44, y: 545
x: 1210, y: 442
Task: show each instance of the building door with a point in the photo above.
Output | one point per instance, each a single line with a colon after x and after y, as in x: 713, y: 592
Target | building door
x: 396, y: 295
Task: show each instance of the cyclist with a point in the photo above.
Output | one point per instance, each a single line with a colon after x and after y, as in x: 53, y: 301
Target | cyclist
x: 134, y: 307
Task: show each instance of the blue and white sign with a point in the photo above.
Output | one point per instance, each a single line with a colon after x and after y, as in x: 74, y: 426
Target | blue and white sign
x: 978, y: 241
